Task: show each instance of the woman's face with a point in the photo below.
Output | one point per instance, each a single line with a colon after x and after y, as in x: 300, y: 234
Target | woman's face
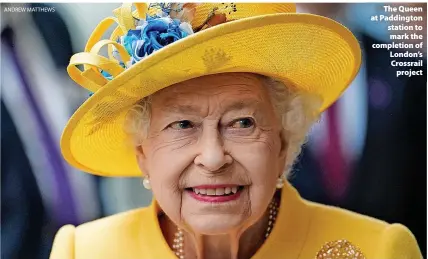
x: 214, y: 152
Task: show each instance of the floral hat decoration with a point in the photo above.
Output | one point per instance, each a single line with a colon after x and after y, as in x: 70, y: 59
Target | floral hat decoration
x: 157, y: 45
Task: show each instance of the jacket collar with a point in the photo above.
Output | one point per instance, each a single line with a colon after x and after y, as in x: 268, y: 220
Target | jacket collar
x: 285, y: 241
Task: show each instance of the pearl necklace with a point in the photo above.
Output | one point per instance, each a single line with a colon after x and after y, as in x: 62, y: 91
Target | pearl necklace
x: 178, y: 244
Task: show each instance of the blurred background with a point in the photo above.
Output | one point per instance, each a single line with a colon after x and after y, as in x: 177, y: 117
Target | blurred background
x: 376, y: 132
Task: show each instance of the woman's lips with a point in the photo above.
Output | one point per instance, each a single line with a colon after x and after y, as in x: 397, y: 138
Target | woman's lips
x: 215, y: 193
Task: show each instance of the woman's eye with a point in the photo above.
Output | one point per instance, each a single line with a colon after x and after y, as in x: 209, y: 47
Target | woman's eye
x: 179, y: 125
x: 243, y: 123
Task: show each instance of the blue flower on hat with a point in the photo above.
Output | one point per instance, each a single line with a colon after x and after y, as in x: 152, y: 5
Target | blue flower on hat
x: 151, y: 35
x: 169, y: 24
x: 163, y: 24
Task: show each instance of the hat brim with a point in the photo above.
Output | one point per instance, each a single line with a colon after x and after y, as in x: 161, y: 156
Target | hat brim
x: 307, y: 52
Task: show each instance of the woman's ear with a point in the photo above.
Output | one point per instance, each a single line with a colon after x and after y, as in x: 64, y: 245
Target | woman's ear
x: 141, y: 159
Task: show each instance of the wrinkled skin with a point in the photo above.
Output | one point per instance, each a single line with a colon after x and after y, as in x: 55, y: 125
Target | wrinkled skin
x: 217, y: 129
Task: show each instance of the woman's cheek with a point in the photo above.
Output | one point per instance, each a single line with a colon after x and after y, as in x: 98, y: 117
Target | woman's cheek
x: 164, y: 179
x: 169, y: 160
x: 256, y: 156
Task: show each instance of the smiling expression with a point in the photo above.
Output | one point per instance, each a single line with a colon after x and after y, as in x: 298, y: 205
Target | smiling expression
x: 213, y: 151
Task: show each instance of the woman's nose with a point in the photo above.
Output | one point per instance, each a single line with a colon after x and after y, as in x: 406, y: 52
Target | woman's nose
x: 212, y: 155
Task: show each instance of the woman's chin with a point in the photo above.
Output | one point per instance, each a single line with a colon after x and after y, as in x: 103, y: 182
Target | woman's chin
x: 216, y: 214
x: 215, y: 224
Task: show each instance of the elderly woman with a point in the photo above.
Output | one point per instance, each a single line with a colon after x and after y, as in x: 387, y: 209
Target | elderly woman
x: 210, y: 104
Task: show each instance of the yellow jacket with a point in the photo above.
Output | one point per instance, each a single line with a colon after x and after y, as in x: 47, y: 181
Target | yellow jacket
x: 301, y: 230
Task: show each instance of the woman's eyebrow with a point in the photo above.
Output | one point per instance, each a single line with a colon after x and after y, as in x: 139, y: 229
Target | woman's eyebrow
x: 195, y: 109
x: 242, y: 104
x: 182, y: 108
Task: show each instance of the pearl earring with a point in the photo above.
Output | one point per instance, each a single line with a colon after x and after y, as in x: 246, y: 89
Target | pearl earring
x: 280, y: 182
x: 146, y: 182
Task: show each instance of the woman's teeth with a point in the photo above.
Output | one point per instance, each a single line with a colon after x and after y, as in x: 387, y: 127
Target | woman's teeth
x: 216, y: 191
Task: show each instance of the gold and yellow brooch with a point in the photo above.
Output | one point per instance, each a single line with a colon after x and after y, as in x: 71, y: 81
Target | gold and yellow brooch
x: 340, y: 249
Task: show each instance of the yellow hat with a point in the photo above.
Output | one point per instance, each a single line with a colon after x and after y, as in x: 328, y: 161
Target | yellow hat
x: 307, y: 52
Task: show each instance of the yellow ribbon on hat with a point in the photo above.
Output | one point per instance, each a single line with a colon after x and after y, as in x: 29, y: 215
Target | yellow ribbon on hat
x: 91, y: 78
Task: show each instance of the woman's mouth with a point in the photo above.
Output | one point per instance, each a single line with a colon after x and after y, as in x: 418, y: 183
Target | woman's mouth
x: 215, y: 193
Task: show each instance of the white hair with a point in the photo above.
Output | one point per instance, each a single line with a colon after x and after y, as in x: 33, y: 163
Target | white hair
x: 296, y: 110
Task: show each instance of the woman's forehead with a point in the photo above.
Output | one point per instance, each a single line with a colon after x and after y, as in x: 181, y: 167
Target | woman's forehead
x: 224, y: 86
x: 225, y: 106
x: 225, y: 91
